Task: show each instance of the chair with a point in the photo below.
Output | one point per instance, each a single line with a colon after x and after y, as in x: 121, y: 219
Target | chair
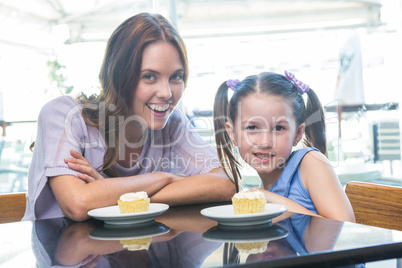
x: 12, y: 207
x: 208, y: 135
x: 376, y: 205
x: 386, y: 141
x: 17, y: 173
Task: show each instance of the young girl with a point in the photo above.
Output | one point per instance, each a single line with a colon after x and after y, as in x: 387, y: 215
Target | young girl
x: 265, y: 117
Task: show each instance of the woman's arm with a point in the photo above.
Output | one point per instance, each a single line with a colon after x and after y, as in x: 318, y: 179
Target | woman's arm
x: 324, y: 187
x: 210, y: 187
x: 76, y: 247
x: 76, y: 197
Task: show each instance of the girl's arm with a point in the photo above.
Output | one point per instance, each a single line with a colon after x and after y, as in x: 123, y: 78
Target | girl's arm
x: 328, y: 196
x: 320, y: 236
x: 324, y: 187
x: 279, y: 199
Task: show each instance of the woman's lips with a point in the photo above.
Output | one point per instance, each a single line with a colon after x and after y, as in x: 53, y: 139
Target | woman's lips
x: 159, y: 110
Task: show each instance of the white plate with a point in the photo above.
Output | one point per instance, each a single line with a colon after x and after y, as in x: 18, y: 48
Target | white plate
x: 112, y: 215
x: 224, y: 215
x: 254, y: 233
x: 123, y: 232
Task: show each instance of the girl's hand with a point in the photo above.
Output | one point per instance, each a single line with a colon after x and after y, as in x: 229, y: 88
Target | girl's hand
x: 257, y: 189
x: 265, y: 192
x: 85, y: 170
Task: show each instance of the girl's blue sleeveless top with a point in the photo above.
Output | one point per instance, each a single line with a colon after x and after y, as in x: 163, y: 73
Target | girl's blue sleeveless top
x: 289, y: 183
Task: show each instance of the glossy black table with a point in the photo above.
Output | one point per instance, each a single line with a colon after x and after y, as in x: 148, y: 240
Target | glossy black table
x: 182, y: 237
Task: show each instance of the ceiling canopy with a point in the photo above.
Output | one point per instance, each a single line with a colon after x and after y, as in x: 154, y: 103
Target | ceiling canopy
x: 31, y: 22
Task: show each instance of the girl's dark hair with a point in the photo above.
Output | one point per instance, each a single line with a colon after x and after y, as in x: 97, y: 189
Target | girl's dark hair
x: 311, y: 113
x: 120, y: 73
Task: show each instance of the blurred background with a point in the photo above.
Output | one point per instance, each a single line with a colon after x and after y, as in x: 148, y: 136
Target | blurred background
x: 349, y: 52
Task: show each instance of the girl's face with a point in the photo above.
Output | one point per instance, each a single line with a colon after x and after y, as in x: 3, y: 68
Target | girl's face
x: 160, y: 86
x: 265, y: 131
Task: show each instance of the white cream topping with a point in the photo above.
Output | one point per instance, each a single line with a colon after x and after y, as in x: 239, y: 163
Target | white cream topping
x: 136, y: 247
x: 134, y: 196
x: 250, y: 195
x: 253, y: 250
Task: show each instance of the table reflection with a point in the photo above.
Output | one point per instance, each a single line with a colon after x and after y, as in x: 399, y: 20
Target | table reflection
x: 294, y: 236
x: 172, y: 240
x: 180, y: 237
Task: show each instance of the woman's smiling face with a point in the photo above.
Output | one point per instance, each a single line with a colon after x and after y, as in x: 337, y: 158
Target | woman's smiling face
x: 265, y: 131
x: 160, y: 86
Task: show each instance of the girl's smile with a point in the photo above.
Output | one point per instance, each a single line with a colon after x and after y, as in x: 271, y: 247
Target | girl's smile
x: 264, y: 158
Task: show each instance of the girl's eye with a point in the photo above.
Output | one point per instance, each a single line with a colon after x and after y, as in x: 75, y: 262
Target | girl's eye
x: 177, y: 77
x: 149, y: 77
x: 251, y: 128
x: 278, y: 128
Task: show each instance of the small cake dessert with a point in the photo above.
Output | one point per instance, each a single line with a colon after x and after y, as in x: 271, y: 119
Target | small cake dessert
x: 252, y: 247
x: 248, y: 202
x: 136, y: 244
x: 133, y: 202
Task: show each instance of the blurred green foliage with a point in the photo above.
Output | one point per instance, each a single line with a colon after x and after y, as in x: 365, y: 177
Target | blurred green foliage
x: 57, y: 75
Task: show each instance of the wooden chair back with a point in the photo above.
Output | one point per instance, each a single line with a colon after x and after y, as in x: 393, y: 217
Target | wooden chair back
x: 12, y: 207
x: 376, y: 205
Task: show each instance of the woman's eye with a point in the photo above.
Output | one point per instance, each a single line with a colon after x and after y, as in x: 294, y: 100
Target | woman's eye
x: 177, y: 77
x: 149, y: 77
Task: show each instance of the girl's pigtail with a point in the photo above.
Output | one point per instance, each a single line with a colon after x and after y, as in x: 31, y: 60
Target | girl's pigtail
x: 315, y: 135
x: 224, y: 144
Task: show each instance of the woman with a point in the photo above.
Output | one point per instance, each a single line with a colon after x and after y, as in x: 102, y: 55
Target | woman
x: 130, y: 133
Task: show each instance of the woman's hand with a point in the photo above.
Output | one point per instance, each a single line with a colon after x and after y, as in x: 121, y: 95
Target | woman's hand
x: 85, y: 170
x: 176, y: 177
